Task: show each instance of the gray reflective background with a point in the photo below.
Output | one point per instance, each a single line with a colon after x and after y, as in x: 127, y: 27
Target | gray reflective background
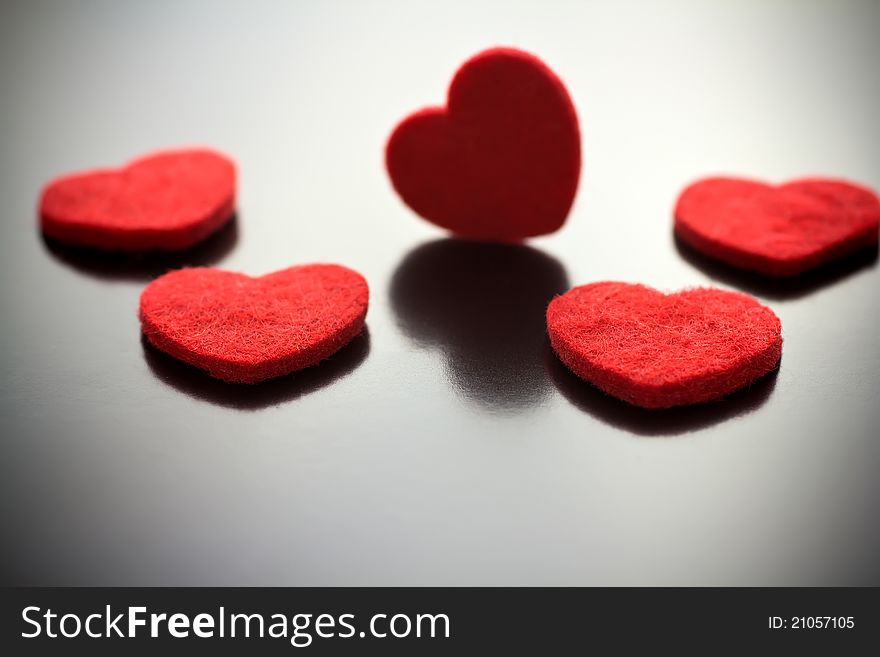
x: 447, y: 446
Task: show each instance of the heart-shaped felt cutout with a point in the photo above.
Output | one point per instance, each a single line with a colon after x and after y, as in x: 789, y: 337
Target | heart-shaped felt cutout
x: 780, y: 231
x: 501, y: 161
x: 166, y: 201
x: 245, y: 330
x: 660, y: 350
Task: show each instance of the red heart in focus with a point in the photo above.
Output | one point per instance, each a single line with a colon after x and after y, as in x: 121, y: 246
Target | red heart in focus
x: 780, y: 231
x: 245, y: 330
x: 501, y: 161
x: 658, y: 350
x: 166, y: 201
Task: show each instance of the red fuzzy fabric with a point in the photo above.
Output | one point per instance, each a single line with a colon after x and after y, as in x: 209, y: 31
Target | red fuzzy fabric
x: 501, y: 161
x: 166, y: 201
x: 245, y: 330
x: 780, y: 231
x: 660, y: 350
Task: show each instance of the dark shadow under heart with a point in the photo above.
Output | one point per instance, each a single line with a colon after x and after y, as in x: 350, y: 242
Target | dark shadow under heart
x: 778, y: 288
x: 197, y: 384
x: 667, y: 422
x: 117, y: 265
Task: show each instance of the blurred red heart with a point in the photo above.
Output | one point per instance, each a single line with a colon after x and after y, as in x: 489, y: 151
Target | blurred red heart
x: 780, y: 231
x: 166, y: 201
x: 501, y: 161
x: 245, y: 330
x: 660, y: 350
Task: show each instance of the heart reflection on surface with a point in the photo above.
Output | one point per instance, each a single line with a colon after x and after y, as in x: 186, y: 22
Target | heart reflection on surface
x: 482, y: 305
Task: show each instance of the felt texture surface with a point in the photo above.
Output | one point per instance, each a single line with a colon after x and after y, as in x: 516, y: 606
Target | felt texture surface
x: 166, y: 201
x: 777, y: 230
x: 658, y: 350
x: 501, y: 161
x: 246, y: 330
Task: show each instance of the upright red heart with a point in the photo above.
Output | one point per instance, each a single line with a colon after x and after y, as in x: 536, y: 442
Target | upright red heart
x: 501, y: 161
x: 165, y: 201
x: 658, y: 350
x: 780, y: 231
x: 245, y: 330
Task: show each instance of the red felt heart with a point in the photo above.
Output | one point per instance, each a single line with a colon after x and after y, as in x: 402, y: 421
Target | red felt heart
x: 165, y: 201
x: 245, y: 330
x: 782, y: 230
x: 660, y: 350
x: 501, y: 160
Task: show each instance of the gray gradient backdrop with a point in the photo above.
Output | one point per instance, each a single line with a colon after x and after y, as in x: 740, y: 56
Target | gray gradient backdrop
x: 447, y: 446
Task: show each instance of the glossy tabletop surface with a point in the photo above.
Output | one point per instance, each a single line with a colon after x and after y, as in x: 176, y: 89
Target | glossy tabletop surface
x: 446, y: 445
